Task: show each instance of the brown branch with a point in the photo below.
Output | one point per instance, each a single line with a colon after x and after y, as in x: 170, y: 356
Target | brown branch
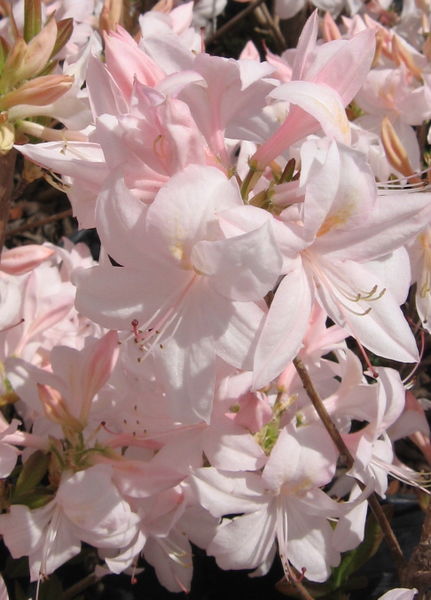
x: 79, y: 587
x: 232, y: 22
x: 373, y: 501
x: 7, y: 171
x: 274, y: 27
x: 39, y: 223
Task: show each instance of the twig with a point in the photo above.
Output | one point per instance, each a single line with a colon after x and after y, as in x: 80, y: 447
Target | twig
x: 273, y: 26
x: 232, y: 22
x: 7, y: 171
x: 80, y: 586
x: 373, y: 501
x: 35, y: 224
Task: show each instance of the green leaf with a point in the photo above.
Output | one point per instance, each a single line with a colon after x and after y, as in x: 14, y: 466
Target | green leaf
x: 32, y: 19
x: 32, y: 473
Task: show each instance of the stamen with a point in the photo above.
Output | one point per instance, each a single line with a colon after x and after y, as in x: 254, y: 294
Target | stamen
x: 413, y: 182
x: 421, y: 353
x: 421, y: 481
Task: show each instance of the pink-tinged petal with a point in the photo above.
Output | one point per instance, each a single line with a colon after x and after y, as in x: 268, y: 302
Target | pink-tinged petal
x: 347, y: 63
x: 3, y: 590
x: 125, y: 61
x: 199, y: 525
x: 118, y: 562
x: 60, y: 544
x: 184, y: 210
x: 395, y: 220
x: 8, y: 458
x: 117, y: 205
x: 103, y: 92
x: 22, y: 528
x: 115, y: 296
x: 349, y: 531
x: 56, y: 308
x: 82, y: 160
x: 356, y: 300
x: 284, y: 328
x: 306, y: 45
x: 392, y: 398
x: 399, y: 594
x: 413, y: 419
x: 22, y: 259
x: 246, y: 218
x: 186, y: 363
x: 172, y: 560
x: 236, y: 344
x: 169, y: 54
x: 140, y: 479
x: 241, y: 268
x: 321, y: 102
x: 11, y: 299
x: 312, y: 459
x: 322, y: 180
x: 223, y: 493
x: 231, y: 448
x: 394, y: 271
x: 99, y: 361
x: 315, y: 106
x: 244, y: 542
x: 309, y: 543
x: 96, y: 509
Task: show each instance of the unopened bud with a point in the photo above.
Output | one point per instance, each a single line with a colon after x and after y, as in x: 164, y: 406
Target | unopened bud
x: 111, y: 15
x: 400, y: 55
x: 396, y: 152
x: 28, y: 60
x: 330, y: 28
x: 38, y: 92
x: 55, y: 408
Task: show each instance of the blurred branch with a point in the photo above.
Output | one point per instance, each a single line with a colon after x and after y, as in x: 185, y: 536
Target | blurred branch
x: 233, y: 22
x: 7, y: 171
x: 39, y: 223
x: 373, y: 501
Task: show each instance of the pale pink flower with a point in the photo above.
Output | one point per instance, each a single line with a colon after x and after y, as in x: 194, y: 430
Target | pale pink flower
x: 342, y: 223
x: 283, y: 504
x: 191, y: 292
x: 87, y: 507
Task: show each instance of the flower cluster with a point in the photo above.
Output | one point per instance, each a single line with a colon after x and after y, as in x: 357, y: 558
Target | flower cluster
x: 251, y: 228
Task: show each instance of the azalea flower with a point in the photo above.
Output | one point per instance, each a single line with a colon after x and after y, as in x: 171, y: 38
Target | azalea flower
x: 342, y: 226
x: 283, y: 504
x: 190, y: 292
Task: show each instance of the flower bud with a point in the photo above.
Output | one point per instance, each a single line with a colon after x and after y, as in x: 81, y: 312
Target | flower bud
x: 27, y: 60
x: 38, y: 92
